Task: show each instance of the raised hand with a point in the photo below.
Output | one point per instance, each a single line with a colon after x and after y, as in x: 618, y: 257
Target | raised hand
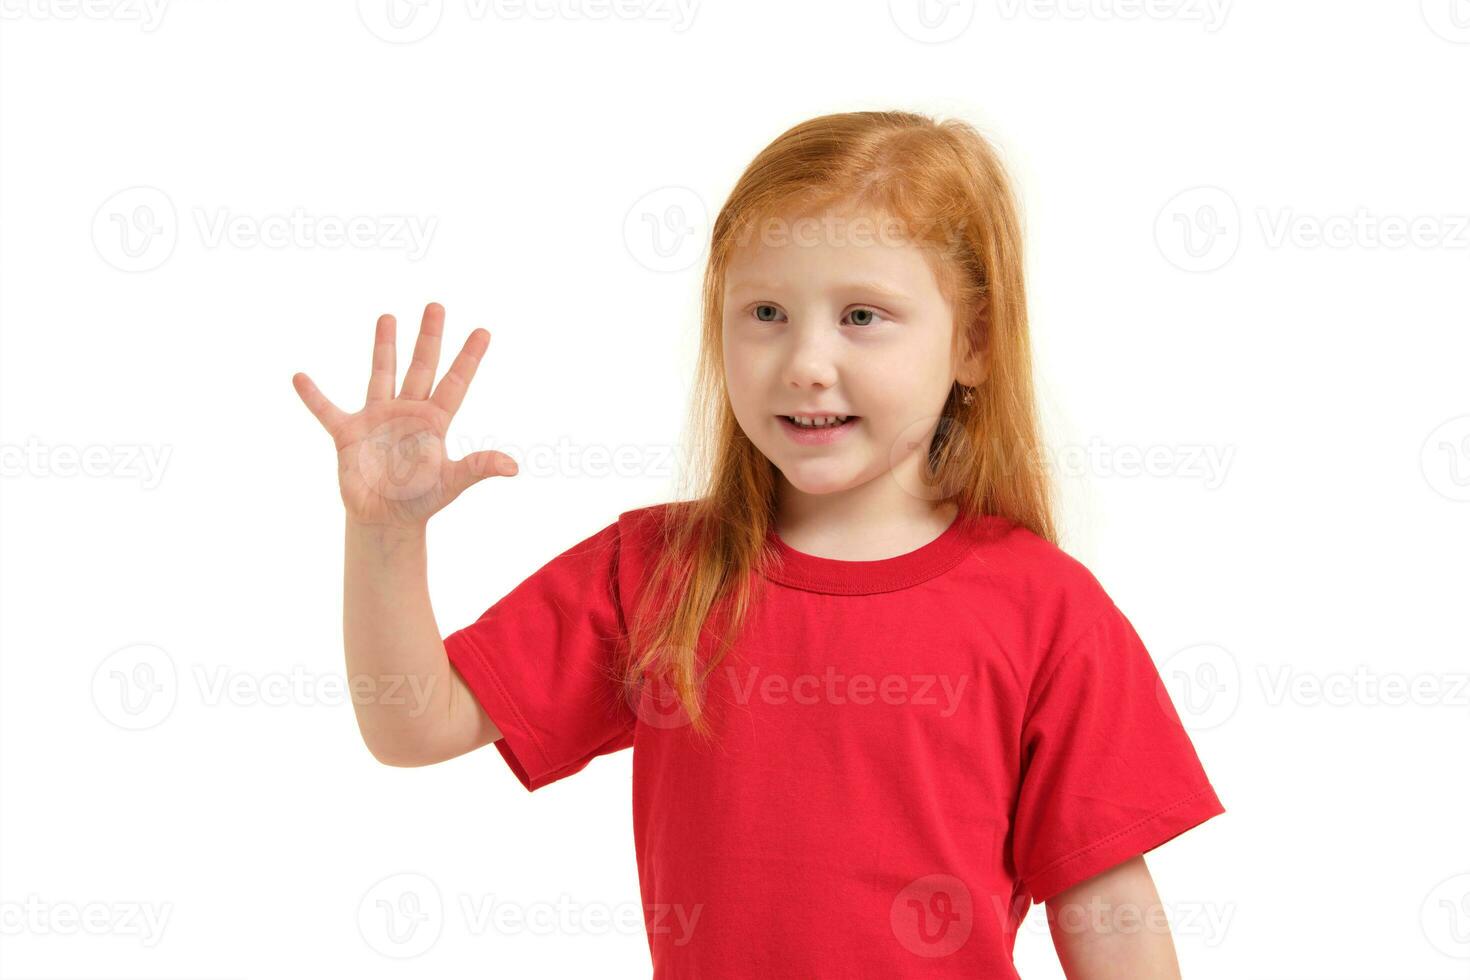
x: 391, y: 461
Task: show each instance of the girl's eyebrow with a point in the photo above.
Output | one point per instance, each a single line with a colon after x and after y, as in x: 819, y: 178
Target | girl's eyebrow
x: 863, y: 286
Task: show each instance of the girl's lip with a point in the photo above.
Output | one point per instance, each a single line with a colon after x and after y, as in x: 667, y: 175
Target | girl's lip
x: 816, y: 437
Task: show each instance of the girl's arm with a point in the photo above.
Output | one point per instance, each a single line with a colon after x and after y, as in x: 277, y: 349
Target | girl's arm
x: 1113, y: 927
x: 413, y: 708
x: 394, y: 474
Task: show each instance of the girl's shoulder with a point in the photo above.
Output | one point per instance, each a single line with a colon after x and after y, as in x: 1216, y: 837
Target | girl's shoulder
x: 1031, y: 562
x: 1050, y: 593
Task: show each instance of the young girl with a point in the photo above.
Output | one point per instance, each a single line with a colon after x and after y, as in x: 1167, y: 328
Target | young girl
x: 875, y: 711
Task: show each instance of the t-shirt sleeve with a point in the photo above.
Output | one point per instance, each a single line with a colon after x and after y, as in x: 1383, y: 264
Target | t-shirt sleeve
x: 542, y: 662
x: 1108, y: 770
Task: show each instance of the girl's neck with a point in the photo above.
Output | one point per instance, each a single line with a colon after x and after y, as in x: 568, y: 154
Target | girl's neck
x: 848, y: 527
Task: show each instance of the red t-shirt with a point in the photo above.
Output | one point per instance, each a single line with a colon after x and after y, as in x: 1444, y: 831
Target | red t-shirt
x: 909, y: 751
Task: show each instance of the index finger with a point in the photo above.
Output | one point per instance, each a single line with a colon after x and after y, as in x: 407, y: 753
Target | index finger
x: 456, y: 381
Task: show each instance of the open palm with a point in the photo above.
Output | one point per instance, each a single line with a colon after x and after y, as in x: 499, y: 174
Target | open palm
x: 391, y: 462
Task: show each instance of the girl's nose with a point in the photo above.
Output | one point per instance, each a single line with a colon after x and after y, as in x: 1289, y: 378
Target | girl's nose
x: 810, y: 359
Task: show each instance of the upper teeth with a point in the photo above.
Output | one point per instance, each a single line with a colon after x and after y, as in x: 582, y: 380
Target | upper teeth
x: 818, y: 419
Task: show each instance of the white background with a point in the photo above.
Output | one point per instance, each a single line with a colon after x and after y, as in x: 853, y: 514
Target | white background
x: 1295, y: 548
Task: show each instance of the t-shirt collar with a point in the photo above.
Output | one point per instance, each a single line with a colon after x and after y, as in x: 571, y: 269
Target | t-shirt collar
x: 839, y: 577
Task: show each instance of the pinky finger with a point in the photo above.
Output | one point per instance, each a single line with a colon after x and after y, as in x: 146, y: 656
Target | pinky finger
x: 330, y: 416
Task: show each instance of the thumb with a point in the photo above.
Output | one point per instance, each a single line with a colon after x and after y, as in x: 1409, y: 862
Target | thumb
x: 465, y: 473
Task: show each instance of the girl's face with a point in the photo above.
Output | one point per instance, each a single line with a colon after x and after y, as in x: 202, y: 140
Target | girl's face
x: 833, y: 317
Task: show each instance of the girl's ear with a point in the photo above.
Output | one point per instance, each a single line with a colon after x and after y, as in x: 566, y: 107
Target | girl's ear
x: 974, y: 365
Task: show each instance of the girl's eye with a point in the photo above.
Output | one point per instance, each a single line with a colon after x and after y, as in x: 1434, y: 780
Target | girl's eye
x: 768, y: 313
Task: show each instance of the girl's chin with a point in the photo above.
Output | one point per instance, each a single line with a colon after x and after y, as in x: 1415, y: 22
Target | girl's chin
x: 817, y: 477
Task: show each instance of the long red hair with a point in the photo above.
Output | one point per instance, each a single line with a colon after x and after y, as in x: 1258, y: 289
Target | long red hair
x: 945, y: 185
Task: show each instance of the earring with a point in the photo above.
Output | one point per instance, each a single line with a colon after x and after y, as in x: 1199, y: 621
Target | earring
x: 967, y: 396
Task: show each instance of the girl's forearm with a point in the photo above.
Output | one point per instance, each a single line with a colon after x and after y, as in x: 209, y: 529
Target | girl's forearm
x: 397, y: 670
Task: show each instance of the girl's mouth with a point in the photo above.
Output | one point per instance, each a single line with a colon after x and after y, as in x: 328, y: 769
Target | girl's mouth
x: 817, y: 434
